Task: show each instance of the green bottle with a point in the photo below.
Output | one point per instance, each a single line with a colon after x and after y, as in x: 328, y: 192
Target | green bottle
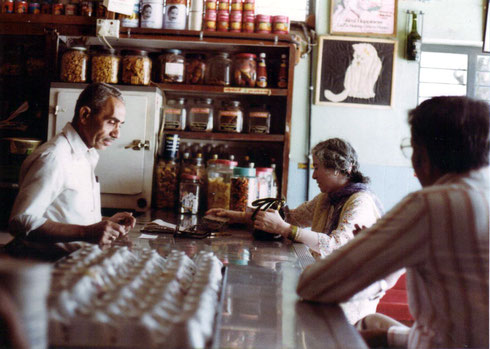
x: 414, y: 41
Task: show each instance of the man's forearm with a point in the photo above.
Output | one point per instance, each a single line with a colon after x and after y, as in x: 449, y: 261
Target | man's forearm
x: 57, y: 232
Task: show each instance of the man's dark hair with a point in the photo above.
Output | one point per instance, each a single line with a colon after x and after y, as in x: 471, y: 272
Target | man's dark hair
x: 455, y: 132
x: 94, y: 96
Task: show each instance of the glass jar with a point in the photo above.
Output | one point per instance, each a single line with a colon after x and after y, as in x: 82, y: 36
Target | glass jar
x: 105, y: 66
x: 174, y: 114
x: 167, y: 173
x: 201, y: 115
x: 274, y: 182
x: 136, y: 67
x: 74, y: 64
x: 195, y: 69
x: 172, y: 66
x: 219, y: 184
x: 243, y: 188
x: 219, y: 70
x: 230, y: 117
x: 189, y: 194
x: 259, y: 120
x: 245, y: 70
x: 264, y: 182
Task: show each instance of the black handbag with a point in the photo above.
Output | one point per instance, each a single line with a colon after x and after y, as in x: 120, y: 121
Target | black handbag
x: 264, y: 205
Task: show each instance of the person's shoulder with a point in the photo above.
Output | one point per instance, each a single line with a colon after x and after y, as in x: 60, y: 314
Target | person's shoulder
x: 56, y: 149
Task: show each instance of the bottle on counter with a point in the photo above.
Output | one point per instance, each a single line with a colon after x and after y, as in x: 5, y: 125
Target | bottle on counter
x: 262, y: 71
x: 414, y: 41
x: 167, y: 173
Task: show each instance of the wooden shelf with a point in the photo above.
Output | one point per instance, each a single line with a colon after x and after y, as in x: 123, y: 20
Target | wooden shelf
x: 222, y: 90
x: 29, y: 24
x: 216, y: 136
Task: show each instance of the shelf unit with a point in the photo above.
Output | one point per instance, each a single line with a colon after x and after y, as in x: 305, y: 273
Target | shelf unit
x: 156, y: 40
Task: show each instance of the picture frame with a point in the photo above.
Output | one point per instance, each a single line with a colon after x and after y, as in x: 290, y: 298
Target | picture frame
x: 486, y: 35
x: 360, y: 17
x: 354, y: 71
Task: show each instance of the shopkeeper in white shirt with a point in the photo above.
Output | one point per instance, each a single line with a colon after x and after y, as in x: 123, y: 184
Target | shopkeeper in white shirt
x: 59, y: 195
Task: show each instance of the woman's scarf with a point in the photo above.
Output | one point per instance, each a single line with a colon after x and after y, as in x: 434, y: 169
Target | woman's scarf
x: 326, y: 218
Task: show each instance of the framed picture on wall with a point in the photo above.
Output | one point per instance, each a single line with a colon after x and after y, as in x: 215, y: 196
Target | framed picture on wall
x: 363, y: 17
x: 355, y: 71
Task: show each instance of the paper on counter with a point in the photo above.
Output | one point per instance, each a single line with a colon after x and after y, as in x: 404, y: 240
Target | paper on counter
x: 148, y: 236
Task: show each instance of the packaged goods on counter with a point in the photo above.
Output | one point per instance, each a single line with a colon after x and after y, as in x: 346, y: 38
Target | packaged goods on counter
x: 230, y: 117
x: 175, y: 14
x: 172, y: 64
x: 136, y: 67
x: 175, y: 114
x: 243, y: 188
x: 74, y: 65
x: 245, y: 70
x: 151, y: 15
x: 105, y: 66
x: 135, y: 298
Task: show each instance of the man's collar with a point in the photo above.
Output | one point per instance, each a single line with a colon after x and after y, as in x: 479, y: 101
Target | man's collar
x: 77, y: 144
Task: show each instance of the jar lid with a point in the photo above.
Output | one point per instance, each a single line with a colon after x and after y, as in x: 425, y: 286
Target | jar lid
x: 264, y: 169
x: 173, y: 51
x: 179, y: 100
x: 233, y: 103
x: 223, y: 54
x: 244, y: 171
x: 246, y: 55
x: 205, y: 100
x: 135, y: 52
x: 79, y: 48
x: 190, y: 177
x: 223, y: 162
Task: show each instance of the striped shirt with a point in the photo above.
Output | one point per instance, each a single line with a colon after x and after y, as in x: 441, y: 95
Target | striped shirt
x: 440, y: 235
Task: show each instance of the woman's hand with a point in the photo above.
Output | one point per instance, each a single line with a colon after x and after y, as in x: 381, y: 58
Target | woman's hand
x: 271, y: 222
x: 233, y: 216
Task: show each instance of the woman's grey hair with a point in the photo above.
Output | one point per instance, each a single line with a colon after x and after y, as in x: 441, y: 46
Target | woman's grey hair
x: 94, y: 96
x: 339, y: 155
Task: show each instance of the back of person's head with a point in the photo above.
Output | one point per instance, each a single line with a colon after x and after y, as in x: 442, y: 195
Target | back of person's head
x: 454, y: 131
x: 337, y: 154
x: 94, y: 96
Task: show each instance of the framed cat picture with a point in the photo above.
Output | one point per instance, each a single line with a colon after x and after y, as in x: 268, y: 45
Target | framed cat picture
x: 355, y: 71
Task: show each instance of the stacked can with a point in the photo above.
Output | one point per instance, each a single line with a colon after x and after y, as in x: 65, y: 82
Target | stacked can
x: 280, y: 24
x: 195, y: 15
x: 223, y: 19
x: 236, y: 16
x: 210, y: 15
x: 248, y: 16
x: 263, y: 24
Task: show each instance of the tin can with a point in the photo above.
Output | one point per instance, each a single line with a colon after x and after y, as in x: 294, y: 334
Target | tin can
x: 8, y: 6
x: 263, y: 24
x: 236, y: 5
x: 132, y: 20
x: 46, y: 8
x: 175, y: 14
x: 223, y: 23
x: 21, y: 7
x: 71, y: 9
x: 210, y: 21
x: 224, y: 5
x: 236, y: 21
x: 86, y: 8
x: 248, y: 25
x: 280, y: 24
x: 249, y: 5
x: 58, y: 9
x: 211, y: 5
x: 151, y: 14
x: 34, y: 8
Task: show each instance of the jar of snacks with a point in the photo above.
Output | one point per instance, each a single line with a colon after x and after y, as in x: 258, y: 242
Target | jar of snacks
x: 230, y: 117
x: 136, y: 67
x: 172, y: 64
x: 195, y: 68
x: 201, y: 115
x: 167, y: 174
x: 219, y: 70
x: 105, y: 66
x: 189, y: 194
x: 263, y: 24
x: 259, y: 119
x: 74, y: 64
x: 174, y: 114
x: 245, y: 70
x: 219, y: 184
x: 243, y: 188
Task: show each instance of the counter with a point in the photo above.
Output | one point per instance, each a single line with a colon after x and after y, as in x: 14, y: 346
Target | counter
x: 260, y: 307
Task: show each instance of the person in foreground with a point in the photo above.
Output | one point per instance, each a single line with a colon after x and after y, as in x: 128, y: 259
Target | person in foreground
x: 59, y: 195
x: 344, y: 202
x: 440, y: 234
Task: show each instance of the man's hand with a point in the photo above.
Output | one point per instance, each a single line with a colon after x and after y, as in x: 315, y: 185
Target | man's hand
x: 376, y: 338
x: 104, y: 232
x: 124, y: 218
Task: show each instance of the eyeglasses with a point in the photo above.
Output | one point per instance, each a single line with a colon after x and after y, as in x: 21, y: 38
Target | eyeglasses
x: 406, y: 148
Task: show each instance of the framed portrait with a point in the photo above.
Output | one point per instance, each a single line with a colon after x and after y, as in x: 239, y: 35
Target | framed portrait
x: 355, y: 71
x: 486, y: 36
x: 363, y: 17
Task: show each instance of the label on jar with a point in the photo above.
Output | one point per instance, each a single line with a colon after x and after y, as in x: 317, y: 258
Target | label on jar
x: 175, y: 69
x: 228, y: 120
x: 172, y: 111
x: 172, y: 125
x: 259, y: 129
x: 198, y: 126
x: 259, y: 114
x: 204, y: 111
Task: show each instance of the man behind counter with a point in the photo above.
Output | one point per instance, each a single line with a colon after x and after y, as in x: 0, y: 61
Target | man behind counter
x: 439, y: 234
x: 59, y: 195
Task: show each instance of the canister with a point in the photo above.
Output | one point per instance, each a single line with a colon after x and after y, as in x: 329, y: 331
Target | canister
x: 132, y: 20
x: 230, y: 117
x: 74, y: 65
x: 151, y: 14
x: 105, y: 66
x: 34, y: 8
x: 263, y: 24
x: 211, y: 5
x: 8, y: 6
x: 172, y: 64
x: 218, y: 70
x: 223, y: 21
x: 175, y: 14
x: 201, y: 115
x: 243, y: 188
x: 175, y: 114
x: 195, y: 68
x: 280, y: 24
x: 236, y: 21
x: 136, y: 67
x: 219, y: 184
x: 210, y: 21
x: 20, y: 6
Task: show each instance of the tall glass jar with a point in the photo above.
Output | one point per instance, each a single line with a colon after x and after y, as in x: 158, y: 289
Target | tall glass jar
x: 189, y: 194
x: 195, y: 69
x: 105, y: 66
x: 230, y: 117
x: 174, y: 114
x: 201, y: 115
x: 136, y: 67
x: 219, y: 70
x: 259, y: 119
x: 245, y: 70
x: 219, y: 184
x: 243, y: 188
x: 172, y: 64
x: 167, y: 173
x: 74, y: 65
x: 264, y: 182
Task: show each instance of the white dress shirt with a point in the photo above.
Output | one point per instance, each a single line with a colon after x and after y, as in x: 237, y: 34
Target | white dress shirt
x: 57, y: 182
x: 441, y: 235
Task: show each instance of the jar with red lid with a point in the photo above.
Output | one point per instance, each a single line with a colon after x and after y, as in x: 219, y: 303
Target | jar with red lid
x: 21, y: 6
x: 236, y: 21
x: 249, y: 5
x: 245, y: 70
x: 223, y: 24
x: 248, y: 25
x: 211, y: 5
x: 280, y: 24
x: 210, y: 21
x: 263, y: 24
x: 224, y: 5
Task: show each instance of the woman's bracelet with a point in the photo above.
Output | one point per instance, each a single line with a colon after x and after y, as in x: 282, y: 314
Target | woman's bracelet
x: 293, y: 233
